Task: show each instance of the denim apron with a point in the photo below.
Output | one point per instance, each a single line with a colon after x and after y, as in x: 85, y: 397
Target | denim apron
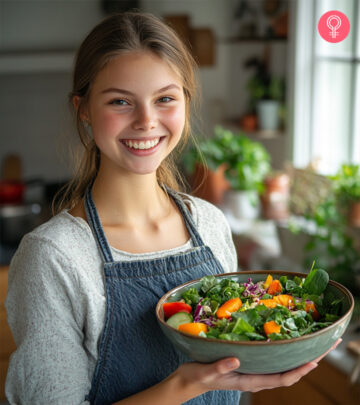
x: 133, y: 352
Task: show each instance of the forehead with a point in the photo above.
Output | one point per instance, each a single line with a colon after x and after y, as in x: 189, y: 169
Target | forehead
x: 135, y: 71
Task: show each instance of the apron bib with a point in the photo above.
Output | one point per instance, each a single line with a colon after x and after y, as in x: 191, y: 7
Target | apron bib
x: 133, y: 352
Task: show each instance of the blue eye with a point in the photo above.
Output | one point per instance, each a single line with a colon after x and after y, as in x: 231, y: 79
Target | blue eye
x: 165, y: 99
x: 119, y: 102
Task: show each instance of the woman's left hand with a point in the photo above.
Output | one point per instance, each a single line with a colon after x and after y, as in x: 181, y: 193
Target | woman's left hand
x: 221, y: 375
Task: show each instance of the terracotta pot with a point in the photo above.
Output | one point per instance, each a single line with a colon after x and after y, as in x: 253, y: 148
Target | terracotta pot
x: 275, y: 199
x: 249, y: 122
x: 354, y: 214
x: 210, y: 185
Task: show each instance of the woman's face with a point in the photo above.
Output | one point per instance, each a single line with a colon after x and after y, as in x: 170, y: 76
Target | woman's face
x: 136, y: 110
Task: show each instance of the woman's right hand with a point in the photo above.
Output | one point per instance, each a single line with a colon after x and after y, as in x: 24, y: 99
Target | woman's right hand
x: 221, y: 376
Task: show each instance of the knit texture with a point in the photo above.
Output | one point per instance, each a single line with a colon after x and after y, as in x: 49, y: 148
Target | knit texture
x: 56, y: 303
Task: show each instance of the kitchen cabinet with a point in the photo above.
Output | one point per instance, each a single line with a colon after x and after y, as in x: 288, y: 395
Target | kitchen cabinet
x: 326, y: 385
x: 7, y: 344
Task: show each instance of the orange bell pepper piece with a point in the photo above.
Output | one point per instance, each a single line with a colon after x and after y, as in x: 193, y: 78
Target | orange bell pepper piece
x: 228, y: 307
x: 268, y: 281
x: 271, y: 327
x: 193, y: 328
x: 285, y: 300
x: 274, y: 287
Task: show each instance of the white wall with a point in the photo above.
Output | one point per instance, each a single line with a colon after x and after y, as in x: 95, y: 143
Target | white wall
x: 34, y: 117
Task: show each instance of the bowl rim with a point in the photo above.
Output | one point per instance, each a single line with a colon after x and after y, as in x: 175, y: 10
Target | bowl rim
x: 347, y: 293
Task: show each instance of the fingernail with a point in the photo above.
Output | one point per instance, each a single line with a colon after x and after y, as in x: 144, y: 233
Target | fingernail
x: 231, y: 363
x: 313, y: 366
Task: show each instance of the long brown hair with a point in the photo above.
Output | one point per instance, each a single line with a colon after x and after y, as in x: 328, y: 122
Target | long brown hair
x: 129, y: 31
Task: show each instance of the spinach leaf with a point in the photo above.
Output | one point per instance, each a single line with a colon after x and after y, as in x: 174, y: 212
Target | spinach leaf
x: 331, y: 318
x: 283, y: 281
x: 279, y: 336
x: 254, y: 336
x: 298, y: 281
x: 233, y: 337
x: 316, y: 281
x: 191, y: 297
x: 207, y: 282
x: 250, y: 316
x: 290, y: 324
x: 241, y: 326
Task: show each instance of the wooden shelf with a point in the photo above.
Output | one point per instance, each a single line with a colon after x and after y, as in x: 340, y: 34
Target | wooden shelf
x: 258, y: 134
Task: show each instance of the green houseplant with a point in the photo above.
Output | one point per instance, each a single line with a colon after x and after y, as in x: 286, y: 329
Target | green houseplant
x: 267, y: 95
x: 347, y: 190
x: 245, y: 162
x: 332, y: 243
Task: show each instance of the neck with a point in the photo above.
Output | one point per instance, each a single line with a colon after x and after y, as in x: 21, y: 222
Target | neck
x: 129, y: 200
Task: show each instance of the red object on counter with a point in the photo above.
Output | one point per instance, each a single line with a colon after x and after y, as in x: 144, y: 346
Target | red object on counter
x: 11, y: 192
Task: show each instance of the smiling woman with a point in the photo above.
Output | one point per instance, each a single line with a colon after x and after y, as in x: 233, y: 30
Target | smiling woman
x: 146, y: 104
x: 83, y: 287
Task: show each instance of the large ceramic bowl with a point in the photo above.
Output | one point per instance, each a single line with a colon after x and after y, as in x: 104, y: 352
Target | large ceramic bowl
x: 258, y: 357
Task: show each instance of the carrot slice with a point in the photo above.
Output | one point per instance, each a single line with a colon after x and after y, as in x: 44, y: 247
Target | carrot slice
x: 193, y: 328
x: 228, y: 307
x: 310, y: 306
x: 269, y: 303
x: 274, y: 287
x: 271, y: 327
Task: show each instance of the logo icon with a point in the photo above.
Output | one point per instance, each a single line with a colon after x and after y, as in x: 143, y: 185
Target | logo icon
x: 334, y: 26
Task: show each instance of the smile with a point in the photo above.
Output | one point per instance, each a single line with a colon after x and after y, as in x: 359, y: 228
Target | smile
x: 141, y: 144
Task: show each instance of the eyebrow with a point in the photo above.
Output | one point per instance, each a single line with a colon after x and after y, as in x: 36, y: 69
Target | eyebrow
x: 123, y: 91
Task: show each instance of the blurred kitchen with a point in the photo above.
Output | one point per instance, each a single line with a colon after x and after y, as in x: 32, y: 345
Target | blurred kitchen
x: 277, y: 127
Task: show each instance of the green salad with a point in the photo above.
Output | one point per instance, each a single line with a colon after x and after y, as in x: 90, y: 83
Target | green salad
x: 271, y: 309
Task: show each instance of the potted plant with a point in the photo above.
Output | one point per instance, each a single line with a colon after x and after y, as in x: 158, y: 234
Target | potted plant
x: 245, y: 164
x: 204, y: 164
x: 346, y: 185
x: 275, y: 197
x: 267, y: 94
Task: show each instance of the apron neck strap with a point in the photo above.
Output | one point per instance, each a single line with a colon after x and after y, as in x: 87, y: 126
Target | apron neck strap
x: 96, y: 227
x: 98, y: 231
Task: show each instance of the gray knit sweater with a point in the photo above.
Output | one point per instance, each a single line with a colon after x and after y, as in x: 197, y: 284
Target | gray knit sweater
x: 56, y: 303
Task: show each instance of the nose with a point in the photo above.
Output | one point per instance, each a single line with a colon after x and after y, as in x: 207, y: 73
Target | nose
x: 145, y: 118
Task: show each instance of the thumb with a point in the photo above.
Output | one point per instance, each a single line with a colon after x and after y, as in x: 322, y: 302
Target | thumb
x: 224, y: 366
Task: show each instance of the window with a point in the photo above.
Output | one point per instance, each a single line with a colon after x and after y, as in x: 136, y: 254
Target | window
x: 326, y: 106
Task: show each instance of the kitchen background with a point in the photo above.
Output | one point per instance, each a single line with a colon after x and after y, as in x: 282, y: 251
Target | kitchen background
x: 244, y: 49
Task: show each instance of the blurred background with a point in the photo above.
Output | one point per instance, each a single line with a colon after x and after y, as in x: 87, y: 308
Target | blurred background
x: 277, y: 128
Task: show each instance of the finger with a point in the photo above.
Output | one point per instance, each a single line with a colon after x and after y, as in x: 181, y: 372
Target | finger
x: 293, y: 376
x: 224, y: 366
x: 268, y: 381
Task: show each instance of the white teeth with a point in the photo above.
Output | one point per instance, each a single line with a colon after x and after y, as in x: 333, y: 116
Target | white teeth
x: 142, y: 145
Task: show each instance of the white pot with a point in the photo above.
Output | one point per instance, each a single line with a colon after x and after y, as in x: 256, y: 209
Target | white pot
x: 242, y: 204
x: 268, y: 114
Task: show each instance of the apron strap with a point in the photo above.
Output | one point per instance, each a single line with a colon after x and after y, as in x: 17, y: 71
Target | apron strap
x: 96, y: 227
x: 189, y: 221
x: 98, y: 231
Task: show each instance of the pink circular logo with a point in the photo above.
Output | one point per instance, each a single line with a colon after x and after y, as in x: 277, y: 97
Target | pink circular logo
x: 334, y: 26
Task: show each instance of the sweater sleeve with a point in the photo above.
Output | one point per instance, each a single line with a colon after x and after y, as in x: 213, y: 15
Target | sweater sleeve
x: 43, y: 306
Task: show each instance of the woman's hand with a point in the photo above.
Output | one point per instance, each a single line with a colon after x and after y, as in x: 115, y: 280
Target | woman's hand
x: 221, y: 376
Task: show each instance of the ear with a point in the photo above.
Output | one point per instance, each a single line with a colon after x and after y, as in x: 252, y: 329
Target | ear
x: 77, y: 104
